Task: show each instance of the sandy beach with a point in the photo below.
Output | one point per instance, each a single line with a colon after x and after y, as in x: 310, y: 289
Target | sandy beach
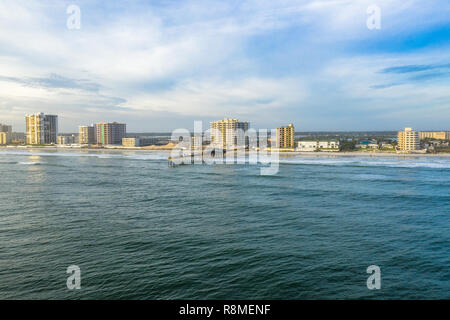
x: 282, y: 154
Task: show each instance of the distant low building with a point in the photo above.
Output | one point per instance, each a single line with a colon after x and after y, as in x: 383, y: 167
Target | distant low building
x: 226, y: 133
x: 310, y: 146
x: 334, y: 145
x: 307, y: 146
x: 18, y: 137
x: 387, y: 146
x: 137, y: 142
x: 66, y: 139
x: 438, y: 135
x: 367, y: 145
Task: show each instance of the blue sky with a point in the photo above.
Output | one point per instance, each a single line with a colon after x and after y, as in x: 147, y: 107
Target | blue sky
x: 160, y: 65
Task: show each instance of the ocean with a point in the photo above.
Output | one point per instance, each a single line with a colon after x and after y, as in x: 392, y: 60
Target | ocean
x: 138, y: 229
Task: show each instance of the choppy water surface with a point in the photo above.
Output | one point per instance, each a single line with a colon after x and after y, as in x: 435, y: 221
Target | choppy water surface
x: 140, y: 230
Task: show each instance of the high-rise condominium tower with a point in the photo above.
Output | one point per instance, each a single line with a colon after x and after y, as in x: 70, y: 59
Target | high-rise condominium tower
x: 111, y: 133
x: 285, y: 137
x: 88, y: 135
x: 224, y: 133
x: 408, y: 140
x: 41, y: 128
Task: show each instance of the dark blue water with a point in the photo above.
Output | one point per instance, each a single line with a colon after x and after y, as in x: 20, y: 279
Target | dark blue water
x: 140, y: 230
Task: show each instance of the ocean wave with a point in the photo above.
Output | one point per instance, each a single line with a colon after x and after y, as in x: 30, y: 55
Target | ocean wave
x: 391, y: 163
x: 31, y: 163
x: 370, y: 177
x: 335, y: 160
x: 124, y: 155
x: 148, y: 157
x: 8, y: 162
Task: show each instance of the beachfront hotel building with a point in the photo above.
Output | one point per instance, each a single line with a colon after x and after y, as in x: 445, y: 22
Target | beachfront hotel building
x: 137, y: 142
x: 310, y: 146
x: 408, y: 140
x: 225, y: 133
x: 438, y: 135
x: 88, y: 134
x: 41, y: 128
x: 110, y: 133
x: 5, y: 138
x: 285, y: 137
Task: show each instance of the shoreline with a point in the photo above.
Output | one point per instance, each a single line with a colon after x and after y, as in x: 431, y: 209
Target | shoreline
x: 282, y: 154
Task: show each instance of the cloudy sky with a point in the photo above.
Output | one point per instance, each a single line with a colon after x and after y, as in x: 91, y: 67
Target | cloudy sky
x: 160, y: 65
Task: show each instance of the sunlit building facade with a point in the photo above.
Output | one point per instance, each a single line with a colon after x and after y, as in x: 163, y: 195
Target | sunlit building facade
x: 5, y: 138
x: 438, y: 135
x: 225, y: 133
x: 41, y: 128
x: 285, y: 137
x: 66, y: 139
x: 408, y: 140
x: 88, y: 134
x: 110, y: 133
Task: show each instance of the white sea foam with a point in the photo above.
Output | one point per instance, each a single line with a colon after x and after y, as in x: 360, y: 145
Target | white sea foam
x: 334, y: 160
x: 379, y: 162
x: 100, y: 155
x: 30, y: 163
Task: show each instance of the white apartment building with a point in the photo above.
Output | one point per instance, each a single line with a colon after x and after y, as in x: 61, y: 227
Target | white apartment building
x: 310, y: 146
x: 226, y: 133
x: 408, y: 140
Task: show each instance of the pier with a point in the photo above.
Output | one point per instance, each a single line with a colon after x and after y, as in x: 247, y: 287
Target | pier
x: 194, y: 157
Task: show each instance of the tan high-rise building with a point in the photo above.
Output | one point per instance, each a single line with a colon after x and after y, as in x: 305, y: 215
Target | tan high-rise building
x: 408, y: 140
x: 5, y: 138
x: 88, y: 135
x: 225, y: 133
x: 41, y: 128
x: 285, y: 137
x: 5, y: 134
x: 438, y: 135
x: 111, y: 133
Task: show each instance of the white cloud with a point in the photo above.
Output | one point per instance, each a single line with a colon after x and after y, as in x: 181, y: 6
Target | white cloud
x: 191, y: 58
x: 216, y: 97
